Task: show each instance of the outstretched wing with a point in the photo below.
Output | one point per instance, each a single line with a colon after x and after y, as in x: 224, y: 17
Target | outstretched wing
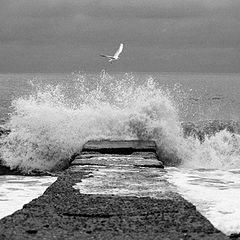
x: 106, y: 56
x: 118, y: 52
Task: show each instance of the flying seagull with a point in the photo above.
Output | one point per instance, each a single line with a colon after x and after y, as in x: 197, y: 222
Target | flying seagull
x: 115, y: 56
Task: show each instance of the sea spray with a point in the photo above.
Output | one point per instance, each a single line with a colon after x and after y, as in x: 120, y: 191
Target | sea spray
x: 218, y: 151
x: 54, y: 122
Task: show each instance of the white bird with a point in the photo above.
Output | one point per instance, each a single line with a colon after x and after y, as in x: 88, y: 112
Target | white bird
x: 115, y: 56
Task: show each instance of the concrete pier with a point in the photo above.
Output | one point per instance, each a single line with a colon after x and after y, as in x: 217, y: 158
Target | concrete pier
x: 112, y: 190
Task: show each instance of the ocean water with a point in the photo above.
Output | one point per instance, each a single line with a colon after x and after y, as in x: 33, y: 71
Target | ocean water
x: 214, y: 192
x: 52, y: 115
x: 15, y: 191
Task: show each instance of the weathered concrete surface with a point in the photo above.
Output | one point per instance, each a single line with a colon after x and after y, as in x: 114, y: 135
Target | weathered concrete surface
x: 120, y: 147
x: 147, y: 160
x: 64, y: 212
x: 121, y: 153
x: 112, y: 160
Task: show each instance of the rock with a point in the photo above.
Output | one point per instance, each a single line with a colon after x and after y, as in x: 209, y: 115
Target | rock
x: 4, y: 131
x: 32, y: 231
x: 118, y: 160
x: 4, y: 170
x: 105, y: 153
x: 235, y: 236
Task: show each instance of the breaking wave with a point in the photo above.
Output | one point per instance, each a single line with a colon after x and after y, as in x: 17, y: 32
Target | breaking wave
x: 213, y: 144
x: 53, y: 123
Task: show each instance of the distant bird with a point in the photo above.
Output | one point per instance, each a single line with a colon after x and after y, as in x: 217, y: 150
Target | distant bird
x: 115, y: 56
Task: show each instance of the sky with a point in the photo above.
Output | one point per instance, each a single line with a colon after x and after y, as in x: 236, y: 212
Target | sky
x: 158, y: 35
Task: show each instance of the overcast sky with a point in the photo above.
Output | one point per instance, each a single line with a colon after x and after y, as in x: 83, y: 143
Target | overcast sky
x: 159, y: 35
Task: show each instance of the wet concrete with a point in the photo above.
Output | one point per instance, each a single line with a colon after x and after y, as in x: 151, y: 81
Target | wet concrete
x: 67, y: 211
x: 119, y: 147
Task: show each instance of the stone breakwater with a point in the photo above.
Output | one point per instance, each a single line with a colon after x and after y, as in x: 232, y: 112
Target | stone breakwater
x: 108, y: 211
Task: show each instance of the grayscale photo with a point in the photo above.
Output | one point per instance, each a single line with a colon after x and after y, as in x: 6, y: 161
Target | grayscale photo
x: 119, y: 120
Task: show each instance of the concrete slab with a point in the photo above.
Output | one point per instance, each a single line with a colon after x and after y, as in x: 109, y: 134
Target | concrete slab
x: 112, y: 197
x: 63, y: 212
x: 148, y: 159
x: 119, y: 147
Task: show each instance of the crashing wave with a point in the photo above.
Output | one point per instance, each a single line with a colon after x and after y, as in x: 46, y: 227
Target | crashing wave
x: 53, y: 123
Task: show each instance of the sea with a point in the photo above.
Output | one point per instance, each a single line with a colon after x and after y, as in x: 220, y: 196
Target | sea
x: 193, y: 117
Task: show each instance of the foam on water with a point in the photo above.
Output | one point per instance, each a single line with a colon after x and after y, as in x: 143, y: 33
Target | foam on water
x: 215, y: 193
x: 19, y: 190
x: 221, y: 151
x: 52, y: 123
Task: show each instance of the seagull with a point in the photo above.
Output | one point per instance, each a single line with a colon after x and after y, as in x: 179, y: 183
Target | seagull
x: 115, y: 56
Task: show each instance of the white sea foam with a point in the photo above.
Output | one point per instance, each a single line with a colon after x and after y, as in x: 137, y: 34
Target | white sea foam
x: 54, y: 122
x: 19, y: 190
x: 215, y: 193
x: 219, y: 151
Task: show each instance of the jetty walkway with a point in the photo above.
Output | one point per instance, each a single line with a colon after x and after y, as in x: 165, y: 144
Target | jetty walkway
x: 112, y: 190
